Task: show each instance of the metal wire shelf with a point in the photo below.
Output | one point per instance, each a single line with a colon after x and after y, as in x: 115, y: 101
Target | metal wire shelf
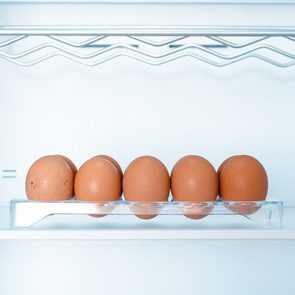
x: 93, y: 45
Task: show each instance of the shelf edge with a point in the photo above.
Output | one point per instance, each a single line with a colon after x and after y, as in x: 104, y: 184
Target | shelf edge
x: 274, y: 234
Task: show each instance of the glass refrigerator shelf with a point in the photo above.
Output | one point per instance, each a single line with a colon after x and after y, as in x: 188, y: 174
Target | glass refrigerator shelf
x: 265, y: 214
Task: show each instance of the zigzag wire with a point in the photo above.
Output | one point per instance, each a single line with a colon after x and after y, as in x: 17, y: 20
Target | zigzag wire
x: 77, y: 44
x: 142, y: 40
x: 65, y: 50
x: 172, y: 54
x: 157, y: 44
x: 73, y: 44
x: 152, y: 62
x: 246, y: 52
x: 12, y: 40
x: 141, y: 52
x: 236, y: 45
x: 291, y: 38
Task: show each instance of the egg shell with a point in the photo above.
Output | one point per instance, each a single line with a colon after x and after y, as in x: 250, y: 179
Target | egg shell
x: 146, y: 179
x: 118, y: 167
x: 50, y: 178
x: 242, y: 179
x: 243, y: 208
x: 98, y: 180
x: 194, y: 179
x: 70, y: 163
x: 114, y: 162
x: 145, y: 210
x: 220, y: 169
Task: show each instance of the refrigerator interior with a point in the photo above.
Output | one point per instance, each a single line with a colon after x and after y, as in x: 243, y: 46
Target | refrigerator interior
x: 125, y: 107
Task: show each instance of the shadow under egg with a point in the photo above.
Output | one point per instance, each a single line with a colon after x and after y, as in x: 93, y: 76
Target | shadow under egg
x: 145, y: 211
x: 103, y: 210
x: 196, y: 211
x: 243, y: 208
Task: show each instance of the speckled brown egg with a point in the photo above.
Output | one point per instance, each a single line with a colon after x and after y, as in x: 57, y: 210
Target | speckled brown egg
x: 98, y: 180
x: 50, y: 178
x: 146, y: 179
x: 194, y: 179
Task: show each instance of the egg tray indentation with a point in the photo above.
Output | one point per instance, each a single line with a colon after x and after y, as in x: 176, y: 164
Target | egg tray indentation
x: 267, y: 214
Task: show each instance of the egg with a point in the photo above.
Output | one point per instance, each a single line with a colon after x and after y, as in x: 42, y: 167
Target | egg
x: 243, y: 178
x: 194, y: 179
x: 118, y: 167
x: 98, y: 180
x: 220, y: 169
x: 146, y: 179
x: 50, y: 178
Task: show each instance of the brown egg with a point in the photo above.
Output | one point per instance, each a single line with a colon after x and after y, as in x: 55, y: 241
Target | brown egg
x: 98, y: 180
x: 220, y: 169
x: 118, y: 167
x: 70, y: 163
x: 146, y: 179
x: 50, y: 178
x: 194, y: 179
x: 243, y: 178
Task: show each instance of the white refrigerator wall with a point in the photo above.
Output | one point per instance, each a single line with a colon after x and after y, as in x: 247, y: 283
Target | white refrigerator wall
x: 125, y: 108
x: 147, y: 267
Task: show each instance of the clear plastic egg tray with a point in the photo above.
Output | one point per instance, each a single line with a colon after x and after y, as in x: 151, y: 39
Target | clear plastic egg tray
x: 266, y: 214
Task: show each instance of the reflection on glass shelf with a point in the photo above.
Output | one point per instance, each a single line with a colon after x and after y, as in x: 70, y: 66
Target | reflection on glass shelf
x: 265, y: 214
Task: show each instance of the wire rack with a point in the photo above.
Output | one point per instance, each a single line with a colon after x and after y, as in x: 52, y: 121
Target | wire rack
x: 93, y: 45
